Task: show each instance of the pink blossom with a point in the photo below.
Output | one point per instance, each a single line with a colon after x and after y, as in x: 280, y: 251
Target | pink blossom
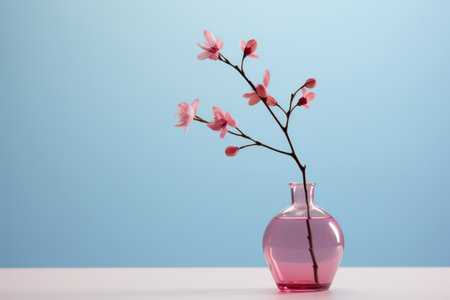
x: 231, y: 150
x: 310, y: 83
x: 261, y: 92
x: 221, y: 120
x: 249, y: 48
x: 306, y: 97
x: 211, y: 46
x: 186, y: 113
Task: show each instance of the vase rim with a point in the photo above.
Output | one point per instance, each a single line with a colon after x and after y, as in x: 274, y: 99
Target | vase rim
x: 292, y: 184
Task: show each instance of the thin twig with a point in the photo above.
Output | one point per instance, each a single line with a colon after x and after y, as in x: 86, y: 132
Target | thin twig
x: 243, y: 135
x: 291, y: 109
x: 249, y: 145
x: 278, y: 105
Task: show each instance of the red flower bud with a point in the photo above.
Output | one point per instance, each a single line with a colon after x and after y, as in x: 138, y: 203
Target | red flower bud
x: 310, y: 83
x: 231, y: 150
x: 302, y: 101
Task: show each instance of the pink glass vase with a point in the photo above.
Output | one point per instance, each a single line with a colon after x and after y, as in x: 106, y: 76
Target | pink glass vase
x: 303, y: 244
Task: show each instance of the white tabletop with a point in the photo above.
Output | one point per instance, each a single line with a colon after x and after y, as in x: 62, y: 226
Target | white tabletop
x: 217, y: 283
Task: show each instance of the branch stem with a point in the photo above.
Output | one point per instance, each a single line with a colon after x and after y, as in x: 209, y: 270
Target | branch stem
x: 243, y: 135
x: 308, y: 227
x: 292, y: 154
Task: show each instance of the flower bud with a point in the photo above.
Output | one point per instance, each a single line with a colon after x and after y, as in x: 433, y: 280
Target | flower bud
x: 231, y: 150
x: 310, y: 83
x: 302, y: 101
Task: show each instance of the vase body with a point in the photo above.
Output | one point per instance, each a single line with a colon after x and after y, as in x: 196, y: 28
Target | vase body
x: 303, y: 244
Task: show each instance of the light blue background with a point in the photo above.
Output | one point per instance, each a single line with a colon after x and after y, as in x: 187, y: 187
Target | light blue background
x: 93, y: 173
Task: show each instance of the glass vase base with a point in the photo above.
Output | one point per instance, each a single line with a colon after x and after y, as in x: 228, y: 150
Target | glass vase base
x: 303, y: 287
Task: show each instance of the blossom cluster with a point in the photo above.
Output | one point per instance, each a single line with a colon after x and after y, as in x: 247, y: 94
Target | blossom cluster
x: 222, y: 121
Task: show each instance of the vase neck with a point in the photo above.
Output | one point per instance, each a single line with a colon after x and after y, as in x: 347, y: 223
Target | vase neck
x: 298, y: 193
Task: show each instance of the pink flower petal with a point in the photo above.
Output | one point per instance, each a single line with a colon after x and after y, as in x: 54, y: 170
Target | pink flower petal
x: 261, y: 90
x: 203, y: 47
x: 304, y: 92
x: 204, y: 55
x: 223, y: 132
x: 217, y: 124
x: 219, y: 43
x: 266, y: 78
x: 271, y: 101
x: 214, y: 56
x: 209, y: 37
x: 254, y: 99
x: 182, y: 106
x: 214, y: 126
x: 248, y: 95
x: 230, y: 121
x: 217, y: 111
x: 307, y: 106
x: 195, y: 105
x: 310, y: 96
x: 253, y: 56
x: 252, y: 44
x: 242, y: 43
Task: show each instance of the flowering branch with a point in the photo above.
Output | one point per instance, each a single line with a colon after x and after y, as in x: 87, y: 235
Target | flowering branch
x: 292, y: 154
x: 264, y: 100
x: 187, y: 113
x: 288, y: 115
x: 243, y: 135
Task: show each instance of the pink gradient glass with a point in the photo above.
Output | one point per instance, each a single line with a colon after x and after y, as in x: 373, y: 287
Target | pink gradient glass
x: 287, y: 248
